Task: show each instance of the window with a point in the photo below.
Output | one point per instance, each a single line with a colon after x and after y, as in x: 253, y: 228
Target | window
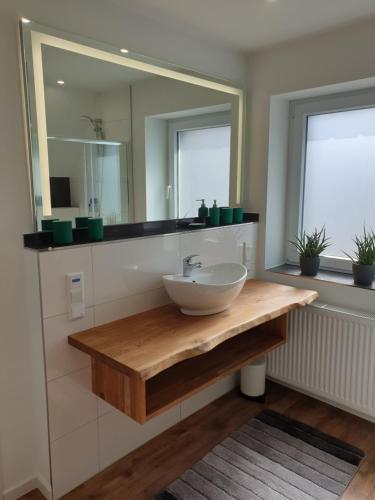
x: 201, y: 166
x: 332, y: 172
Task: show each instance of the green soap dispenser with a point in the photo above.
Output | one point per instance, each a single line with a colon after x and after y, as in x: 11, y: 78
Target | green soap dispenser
x: 203, y: 210
x: 215, y: 215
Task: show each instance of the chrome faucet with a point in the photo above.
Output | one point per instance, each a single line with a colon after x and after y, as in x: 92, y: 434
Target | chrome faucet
x: 188, y: 266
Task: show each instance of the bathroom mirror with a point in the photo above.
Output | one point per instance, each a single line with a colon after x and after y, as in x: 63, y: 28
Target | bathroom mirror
x: 124, y: 137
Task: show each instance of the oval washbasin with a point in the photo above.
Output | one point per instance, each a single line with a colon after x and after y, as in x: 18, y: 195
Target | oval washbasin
x: 209, y: 290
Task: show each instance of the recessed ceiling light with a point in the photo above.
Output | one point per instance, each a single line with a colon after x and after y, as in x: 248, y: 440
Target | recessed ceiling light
x: 61, y: 82
x: 124, y: 51
x: 25, y: 20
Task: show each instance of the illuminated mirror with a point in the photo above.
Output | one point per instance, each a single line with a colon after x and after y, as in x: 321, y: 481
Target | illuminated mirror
x: 122, y: 137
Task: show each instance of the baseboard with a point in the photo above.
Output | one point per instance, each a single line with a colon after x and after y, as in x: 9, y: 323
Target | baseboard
x: 324, y: 398
x: 27, y: 486
x: 45, y: 488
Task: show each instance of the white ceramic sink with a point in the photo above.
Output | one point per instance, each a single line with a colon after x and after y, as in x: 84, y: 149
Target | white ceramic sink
x: 209, y: 290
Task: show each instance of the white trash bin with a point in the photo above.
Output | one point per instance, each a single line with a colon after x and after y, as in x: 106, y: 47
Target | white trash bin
x: 253, y: 379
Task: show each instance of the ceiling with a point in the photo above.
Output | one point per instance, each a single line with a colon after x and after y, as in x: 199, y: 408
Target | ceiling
x: 82, y: 72
x: 251, y: 25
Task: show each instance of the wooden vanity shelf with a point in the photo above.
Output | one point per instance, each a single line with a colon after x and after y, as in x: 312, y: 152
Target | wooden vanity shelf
x: 146, y: 363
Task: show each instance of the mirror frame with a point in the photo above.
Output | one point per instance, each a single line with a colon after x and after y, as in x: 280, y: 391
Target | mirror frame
x: 34, y: 35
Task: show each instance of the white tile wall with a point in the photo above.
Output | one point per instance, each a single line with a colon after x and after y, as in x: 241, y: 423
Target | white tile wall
x: 135, y: 266
x: 104, y: 407
x: 61, y: 358
x: 206, y: 396
x: 74, y: 458
x: 117, y: 309
x: 71, y: 403
x: 213, y: 246
x: 53, y: 270
x: 121, y: 278
x: 222, y: 244
x: 119, y: 434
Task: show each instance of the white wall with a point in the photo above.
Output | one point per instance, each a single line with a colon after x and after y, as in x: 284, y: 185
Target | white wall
x: 328, y: 59
x: 87, y: 434
x: 64, y: 108
x: 157, y: 171
x: 38, y: 409
x: 66, y: 105
x: 15, y: 217
x: 114, y: 108
x: 95, y: 19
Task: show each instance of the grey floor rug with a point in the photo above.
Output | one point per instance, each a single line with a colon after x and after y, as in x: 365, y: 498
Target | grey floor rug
x: 271, y: 457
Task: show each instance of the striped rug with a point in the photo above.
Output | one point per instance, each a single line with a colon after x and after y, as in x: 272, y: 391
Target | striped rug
x: 271, y: 457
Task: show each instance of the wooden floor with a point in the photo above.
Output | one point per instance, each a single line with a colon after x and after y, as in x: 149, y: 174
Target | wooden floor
x: 150, y: 468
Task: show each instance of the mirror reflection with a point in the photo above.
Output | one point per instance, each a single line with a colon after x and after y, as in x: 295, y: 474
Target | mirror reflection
x: 129, y: 145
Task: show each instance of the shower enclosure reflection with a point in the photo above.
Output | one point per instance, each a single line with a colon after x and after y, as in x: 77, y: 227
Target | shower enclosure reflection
x: 97, y: 125
x: 89, y: 177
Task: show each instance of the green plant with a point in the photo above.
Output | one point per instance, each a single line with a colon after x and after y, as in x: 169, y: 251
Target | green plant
x: 311, y: 245
x: 364, y: 254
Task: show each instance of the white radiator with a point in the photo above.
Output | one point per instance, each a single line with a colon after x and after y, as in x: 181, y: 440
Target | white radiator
x: 330, y: 354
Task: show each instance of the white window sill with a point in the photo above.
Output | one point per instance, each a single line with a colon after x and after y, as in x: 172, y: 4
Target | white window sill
x: 336, y: 277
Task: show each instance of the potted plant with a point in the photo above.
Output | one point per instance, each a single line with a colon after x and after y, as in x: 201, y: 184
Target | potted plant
x: 309, y: 248
x: 363, y: 259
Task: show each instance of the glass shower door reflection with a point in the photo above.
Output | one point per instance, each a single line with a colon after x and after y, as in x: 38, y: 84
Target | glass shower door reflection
x: 96, y: 174
x: 107, y: 183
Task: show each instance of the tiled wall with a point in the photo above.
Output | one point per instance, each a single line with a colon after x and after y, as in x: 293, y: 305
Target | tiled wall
x: 121, y: 278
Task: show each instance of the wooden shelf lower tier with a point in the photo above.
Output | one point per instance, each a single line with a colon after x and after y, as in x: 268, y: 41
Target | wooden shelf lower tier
x: 143, y: 400
x: 187, y: 377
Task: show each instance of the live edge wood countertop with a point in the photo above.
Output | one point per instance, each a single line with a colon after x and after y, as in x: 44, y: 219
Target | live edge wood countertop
x: 148, y: 343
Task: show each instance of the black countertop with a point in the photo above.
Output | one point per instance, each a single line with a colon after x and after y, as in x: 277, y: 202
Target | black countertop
x: 43, y: 240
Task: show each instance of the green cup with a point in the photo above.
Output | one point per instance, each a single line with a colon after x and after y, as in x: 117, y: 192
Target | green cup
x: 62, y: 232
x: 226, y: 215
x: 237, y: 215
x: 82, y: 222
x: 47, y: 224
x: 95, y: 227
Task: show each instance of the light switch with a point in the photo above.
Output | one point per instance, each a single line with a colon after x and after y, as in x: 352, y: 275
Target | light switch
x: 75, y: 295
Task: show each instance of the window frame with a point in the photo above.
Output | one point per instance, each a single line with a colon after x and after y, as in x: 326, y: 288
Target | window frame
x: 299, y: 112
x: 196, y: 122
